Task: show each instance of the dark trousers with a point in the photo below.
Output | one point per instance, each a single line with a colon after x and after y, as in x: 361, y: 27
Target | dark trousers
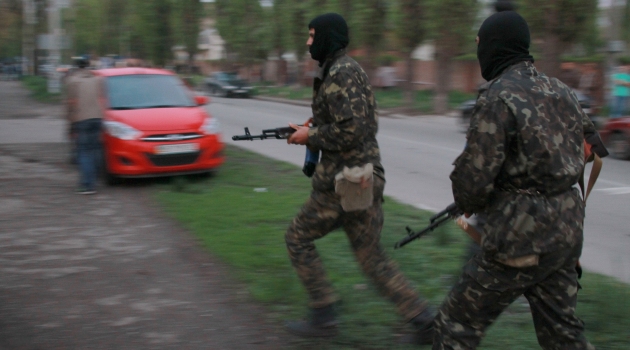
x: 487, y: 287
x: 89, y: 151
x: 320, y: 215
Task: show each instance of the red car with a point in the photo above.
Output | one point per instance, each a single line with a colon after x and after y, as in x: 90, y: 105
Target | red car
x: 616, y: 137
x: 155, y: 126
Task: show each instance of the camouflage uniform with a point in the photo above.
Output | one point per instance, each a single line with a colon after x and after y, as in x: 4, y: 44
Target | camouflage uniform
x: 344, y: 112
x: 524, y: 154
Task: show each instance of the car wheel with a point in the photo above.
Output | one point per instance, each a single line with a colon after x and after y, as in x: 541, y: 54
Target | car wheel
x: 112, y: 180
x: 109, y: 178
x: 619, y: 146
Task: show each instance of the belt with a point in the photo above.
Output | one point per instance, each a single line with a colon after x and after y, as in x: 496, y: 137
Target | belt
x: 533, y: 191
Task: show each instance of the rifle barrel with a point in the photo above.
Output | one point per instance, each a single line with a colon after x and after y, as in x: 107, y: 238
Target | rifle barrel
x: 416, y: 235
x: 451, y: 210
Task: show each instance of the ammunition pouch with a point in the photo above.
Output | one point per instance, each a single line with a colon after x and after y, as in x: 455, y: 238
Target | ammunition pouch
x: 355, y: 186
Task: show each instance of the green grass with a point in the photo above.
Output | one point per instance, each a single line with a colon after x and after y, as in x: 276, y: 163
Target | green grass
x: 390, y: 98
x: 289, y: 92
x: 244, y: 226
x: 38, y: 86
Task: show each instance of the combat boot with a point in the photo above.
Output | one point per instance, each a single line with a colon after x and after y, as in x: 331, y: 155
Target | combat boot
x: 321, y: 322
x: 423, y: 329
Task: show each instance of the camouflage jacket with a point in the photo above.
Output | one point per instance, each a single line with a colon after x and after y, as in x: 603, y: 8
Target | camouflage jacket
x: 523, y: 156
x: 345, y: 121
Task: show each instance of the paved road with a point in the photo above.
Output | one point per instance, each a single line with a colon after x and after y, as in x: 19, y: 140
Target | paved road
x: 417, y: 155
x: 108, y: 271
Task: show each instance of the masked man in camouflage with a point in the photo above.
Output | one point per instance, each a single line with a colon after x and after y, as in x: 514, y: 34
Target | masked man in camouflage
x: 524, y: 156
x: 343, y: 129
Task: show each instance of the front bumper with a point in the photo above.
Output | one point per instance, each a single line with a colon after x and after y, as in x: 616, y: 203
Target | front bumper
x: 140, y: 159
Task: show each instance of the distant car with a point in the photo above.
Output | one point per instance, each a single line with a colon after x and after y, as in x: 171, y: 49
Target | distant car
x: 227, y: 84
x: 155, y: 126
x: 616, y: 136
x: 466, y: 109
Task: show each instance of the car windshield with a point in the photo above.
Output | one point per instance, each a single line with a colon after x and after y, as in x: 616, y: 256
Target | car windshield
x: 147, y: 91
x: 226, y: 76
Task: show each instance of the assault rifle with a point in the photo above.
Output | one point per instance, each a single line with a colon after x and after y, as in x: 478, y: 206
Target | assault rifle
x: 311, y: 158
x: 277, y: 133
x: 451, y: 212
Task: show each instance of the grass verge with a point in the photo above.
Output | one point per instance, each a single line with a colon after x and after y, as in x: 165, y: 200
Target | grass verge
x: 241, y: 215
x: 390, y: 98
x: 38, y: 86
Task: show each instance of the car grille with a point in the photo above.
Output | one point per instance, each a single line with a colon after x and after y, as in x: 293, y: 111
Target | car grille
x: 173, y: 159
x: 172, y: 137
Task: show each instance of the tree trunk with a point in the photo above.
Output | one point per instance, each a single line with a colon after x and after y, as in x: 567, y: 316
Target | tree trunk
x: 191, y: 62
x: 442, y: 85
x: 299, y: 68
x: 281, y: 72
x: 552, y: 48
x: 409, y: 90
x: 370, y: 66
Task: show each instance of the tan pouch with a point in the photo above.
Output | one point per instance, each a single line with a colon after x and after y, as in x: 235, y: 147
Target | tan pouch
x: 523, y: 261
x: 348, y: 187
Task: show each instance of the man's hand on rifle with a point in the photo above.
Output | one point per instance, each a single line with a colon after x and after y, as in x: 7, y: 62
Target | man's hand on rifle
x: 300, y: 136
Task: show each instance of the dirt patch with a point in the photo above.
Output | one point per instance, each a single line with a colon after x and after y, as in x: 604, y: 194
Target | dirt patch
x: 107, y: 271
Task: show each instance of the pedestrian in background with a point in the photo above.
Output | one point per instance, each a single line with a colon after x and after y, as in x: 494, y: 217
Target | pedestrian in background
x: 523, y: 157
x: 621, y: 91
x: 85, y: 114
x: 348, y: 186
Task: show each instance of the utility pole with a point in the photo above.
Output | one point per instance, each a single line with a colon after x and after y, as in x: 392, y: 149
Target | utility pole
x: 28, y: 37
x: 56, y: 42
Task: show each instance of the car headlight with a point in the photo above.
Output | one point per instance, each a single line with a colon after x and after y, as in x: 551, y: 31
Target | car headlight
x: 210, y: 126
x: 229, y: 87
x: 121, y: 131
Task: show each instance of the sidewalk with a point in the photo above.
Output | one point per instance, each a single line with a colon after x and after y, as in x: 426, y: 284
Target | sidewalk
x: 108, y: 271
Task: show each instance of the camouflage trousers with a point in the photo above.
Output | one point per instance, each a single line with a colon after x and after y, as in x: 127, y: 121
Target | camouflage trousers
x: 487, y: 287
x: 320, y: 215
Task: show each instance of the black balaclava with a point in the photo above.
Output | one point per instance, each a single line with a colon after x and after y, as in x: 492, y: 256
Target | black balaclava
x: 504, y: 5
x: 331, y: 34
x: 503, y: 41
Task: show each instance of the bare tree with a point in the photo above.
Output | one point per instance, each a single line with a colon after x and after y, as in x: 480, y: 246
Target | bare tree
x: 556, y: 25
x: 452, y: 21
x: 411, y: 32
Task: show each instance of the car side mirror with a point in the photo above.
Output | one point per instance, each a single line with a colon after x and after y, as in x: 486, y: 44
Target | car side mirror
x: 202, y: 100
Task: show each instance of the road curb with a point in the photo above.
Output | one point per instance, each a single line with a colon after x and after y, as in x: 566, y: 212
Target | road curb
x: 284, y: 100
x: 382, y: 112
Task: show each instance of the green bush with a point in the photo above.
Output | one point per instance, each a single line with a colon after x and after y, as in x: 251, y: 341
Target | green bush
x: 38, y: 86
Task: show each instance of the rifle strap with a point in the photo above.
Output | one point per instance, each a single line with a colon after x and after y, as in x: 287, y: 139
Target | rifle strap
x: 595, y: 170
